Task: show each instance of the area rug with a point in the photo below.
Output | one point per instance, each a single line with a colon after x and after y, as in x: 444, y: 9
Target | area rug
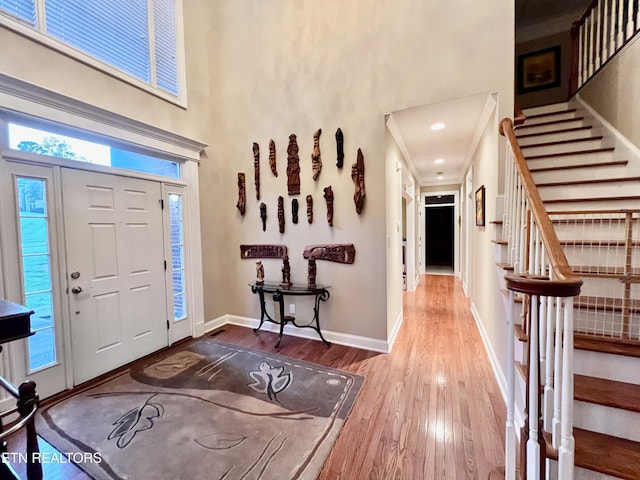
x: 208, y: 411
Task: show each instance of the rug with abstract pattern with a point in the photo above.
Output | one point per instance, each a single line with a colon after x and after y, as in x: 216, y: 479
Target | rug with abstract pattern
x: 207, y: 411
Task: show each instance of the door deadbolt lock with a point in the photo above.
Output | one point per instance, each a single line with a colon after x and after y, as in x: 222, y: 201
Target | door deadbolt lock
x: 75, y: 275
x: 76, y: 289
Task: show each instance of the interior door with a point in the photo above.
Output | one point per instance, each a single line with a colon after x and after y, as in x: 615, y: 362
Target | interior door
x: 115, y: 261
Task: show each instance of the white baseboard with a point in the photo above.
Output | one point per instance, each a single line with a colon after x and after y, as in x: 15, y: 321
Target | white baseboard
x: 497, y: 370
x: 395, y: 330
x: 346, y: 339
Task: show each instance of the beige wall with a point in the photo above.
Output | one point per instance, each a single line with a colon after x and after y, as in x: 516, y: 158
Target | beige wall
x: 613, y: 92
x: 291, y: 67
x: 486, y: 298
x: 259, y: 70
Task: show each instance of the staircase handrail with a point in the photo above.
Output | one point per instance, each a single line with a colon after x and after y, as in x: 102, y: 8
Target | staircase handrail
x: 557, y: 259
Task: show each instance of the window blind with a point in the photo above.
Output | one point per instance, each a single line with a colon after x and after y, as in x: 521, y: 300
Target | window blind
x: 164, y: 20
x: 115, y: 32
x: 23, y: 9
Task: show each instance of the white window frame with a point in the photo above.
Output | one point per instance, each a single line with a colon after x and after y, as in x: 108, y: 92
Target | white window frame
x: 13, y: 23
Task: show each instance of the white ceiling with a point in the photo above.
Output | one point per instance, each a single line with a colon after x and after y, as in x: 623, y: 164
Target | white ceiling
x: 464, y: 117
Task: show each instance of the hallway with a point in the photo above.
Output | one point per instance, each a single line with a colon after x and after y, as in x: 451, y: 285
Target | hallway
x: 429, y: 410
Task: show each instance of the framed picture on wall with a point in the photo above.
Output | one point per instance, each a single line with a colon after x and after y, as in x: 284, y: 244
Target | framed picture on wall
x: 539, y: 70
x: 480, y: 207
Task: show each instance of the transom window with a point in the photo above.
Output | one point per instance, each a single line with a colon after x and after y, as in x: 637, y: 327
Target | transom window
x: 137, y: 37
x: 28, y: 139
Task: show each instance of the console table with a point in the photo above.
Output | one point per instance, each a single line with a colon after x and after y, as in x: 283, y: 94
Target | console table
x: 15, y: 323
x: 320, y: 292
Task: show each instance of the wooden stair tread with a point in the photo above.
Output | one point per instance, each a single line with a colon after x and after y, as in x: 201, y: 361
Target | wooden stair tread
x: 520, y: 334
x: 588, y: 182
x: 614, y: 346
x: 549, y: 114
x: 591, y: 199
x: 500, y: 242
x: 622, y: 457
x: 575, y: 152
x: 605, y: 304
x: 505, y: 266
x: 546, y: 124
x: 496, y: 222
x: 517, y: 297
x: 580, y: 165
x: 607, y: 392
x: 560, y: 142
x: 563, y: 130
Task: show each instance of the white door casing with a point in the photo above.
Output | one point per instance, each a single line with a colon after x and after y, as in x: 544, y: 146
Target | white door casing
x: 114, y: 241
x: 52, y: 378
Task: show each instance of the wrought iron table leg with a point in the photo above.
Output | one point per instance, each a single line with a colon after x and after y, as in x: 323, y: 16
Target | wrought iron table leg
x: 278, y: 297
x: 324, y: 296
x: 263, y: 309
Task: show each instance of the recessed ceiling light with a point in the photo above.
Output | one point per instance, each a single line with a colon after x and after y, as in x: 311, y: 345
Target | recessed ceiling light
x: 438, y: 161
x: 437, y: 126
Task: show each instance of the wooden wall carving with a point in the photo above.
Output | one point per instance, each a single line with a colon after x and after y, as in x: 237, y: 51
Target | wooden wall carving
x: 340, y: 148
x: 263, y: 216
x: 294, y: 210
x: 293, y: 166
x: 316, y: 160
x: 337, y: 252
x: 256, y: 168
x: 281, y: 214
x: 263, y: 251
x: 272, y: 157
x: 309, y: 208
x: 328, y: 196
x: 242, y: 194
x: 357, y: 175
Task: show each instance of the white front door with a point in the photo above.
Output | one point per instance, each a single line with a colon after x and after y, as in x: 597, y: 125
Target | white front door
x: 115, y: 270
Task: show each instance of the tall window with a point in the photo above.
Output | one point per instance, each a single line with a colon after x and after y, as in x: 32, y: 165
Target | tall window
x: 137, y: 37
x: 36, y: 269
x: 177, y: 256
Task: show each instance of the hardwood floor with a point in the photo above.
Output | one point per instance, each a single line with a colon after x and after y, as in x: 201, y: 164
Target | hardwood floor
x: 429, y: 410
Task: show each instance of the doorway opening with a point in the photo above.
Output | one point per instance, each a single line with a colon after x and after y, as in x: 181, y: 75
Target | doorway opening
x: 440, y: 234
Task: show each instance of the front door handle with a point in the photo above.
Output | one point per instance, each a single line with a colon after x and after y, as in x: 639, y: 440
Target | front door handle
x: 76, y: 289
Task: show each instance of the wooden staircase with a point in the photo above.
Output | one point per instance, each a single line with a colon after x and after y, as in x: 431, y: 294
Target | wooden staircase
x: 591, y: 194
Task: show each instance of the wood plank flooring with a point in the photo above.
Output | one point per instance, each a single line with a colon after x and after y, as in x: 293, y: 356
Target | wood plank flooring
x: 431, y: 409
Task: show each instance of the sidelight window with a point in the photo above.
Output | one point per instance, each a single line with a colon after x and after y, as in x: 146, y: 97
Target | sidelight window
x: 36, y: 269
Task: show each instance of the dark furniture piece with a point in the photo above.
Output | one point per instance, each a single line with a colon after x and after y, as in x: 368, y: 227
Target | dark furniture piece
x: 15, y: 323
x: 320, y: 292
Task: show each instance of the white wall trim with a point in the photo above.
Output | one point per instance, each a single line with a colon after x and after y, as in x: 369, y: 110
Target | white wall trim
x: 495, y: 365
x: 394, y: 331
x: 345, y: 339
x: 397, y: 137
x: 23, y: 98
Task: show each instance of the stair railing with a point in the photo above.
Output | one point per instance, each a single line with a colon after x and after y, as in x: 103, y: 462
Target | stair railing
x: 601, y: 32
x: 542, y: 276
